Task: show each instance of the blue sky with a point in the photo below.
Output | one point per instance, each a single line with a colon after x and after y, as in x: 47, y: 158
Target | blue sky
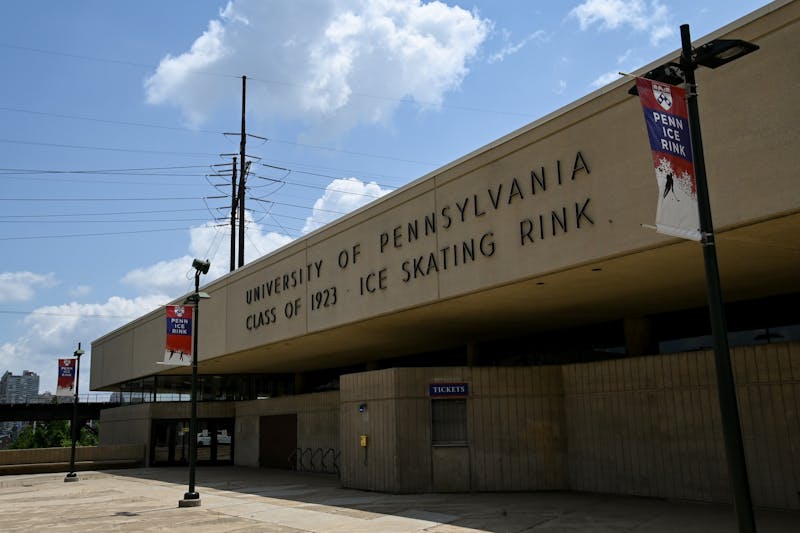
x: 112, y: 113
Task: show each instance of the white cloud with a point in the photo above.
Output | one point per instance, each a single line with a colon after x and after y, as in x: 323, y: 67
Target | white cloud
x: 308, y: 59
x: 342, y: 196
x: 259, y: 243
x: 179, y: 71
x: 80, y: 291
x: 53, y: 332
x: 171, y: 277
x: 652, y: 17
x: 22, y: 286
x: 175, y: 277
x: 605, y: 79
x: 625, y: 56
x: 510, y: 48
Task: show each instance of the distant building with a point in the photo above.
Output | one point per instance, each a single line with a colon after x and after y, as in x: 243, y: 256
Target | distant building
x: 45, y: 397
x: 19, y: 389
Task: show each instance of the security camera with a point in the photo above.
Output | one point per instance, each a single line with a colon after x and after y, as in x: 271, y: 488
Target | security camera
x: 201, y: 265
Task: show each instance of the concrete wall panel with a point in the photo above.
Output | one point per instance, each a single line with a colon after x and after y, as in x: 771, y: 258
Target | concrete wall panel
x: 651, y: 426
x: 317, y: 423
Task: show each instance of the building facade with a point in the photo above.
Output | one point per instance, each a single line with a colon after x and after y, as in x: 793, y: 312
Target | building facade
x: 19, y: 389
x: 15, y: 390
x: 508, y: 322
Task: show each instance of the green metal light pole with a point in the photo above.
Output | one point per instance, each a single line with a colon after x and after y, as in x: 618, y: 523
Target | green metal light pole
x: 192, y: 497
x: 713, y: 54
x: 72, y: 475
x: 726, y: 388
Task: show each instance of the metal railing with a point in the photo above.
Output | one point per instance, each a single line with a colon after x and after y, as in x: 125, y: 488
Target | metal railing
x: 92, y: 397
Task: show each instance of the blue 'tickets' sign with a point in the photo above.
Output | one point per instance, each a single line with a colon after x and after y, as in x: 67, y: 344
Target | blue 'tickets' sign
x: 448, y: 389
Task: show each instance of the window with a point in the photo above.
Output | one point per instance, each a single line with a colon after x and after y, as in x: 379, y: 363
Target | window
x: 449, y: 422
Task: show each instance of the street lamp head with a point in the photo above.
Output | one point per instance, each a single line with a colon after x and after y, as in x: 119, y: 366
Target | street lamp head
x: 718, y: 52
x: 195, y: 297
x: 713, y: 54
x: 670, y: 73
x: 78, y: 352
x: 201, y: 265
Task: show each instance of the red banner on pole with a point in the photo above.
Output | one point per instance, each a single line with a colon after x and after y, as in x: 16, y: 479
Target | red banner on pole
x: 667, y: 119
x: 179, y: 335
x: 66, y: 377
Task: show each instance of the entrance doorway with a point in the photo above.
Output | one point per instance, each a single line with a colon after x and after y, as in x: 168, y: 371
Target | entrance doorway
x: 277, y: 439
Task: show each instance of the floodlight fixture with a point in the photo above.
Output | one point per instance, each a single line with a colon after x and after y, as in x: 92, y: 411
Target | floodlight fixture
x: 718, y: 52
x: 201, y: 265
x: 712, y: 54
x: 195, y: 296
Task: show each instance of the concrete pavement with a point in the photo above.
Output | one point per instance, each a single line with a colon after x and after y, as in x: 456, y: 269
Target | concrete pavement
x: 243, y: 499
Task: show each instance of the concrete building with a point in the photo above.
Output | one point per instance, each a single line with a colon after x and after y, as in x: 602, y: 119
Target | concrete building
x: 507, y: 323
x: 15, y: 390
x: 19, y: 389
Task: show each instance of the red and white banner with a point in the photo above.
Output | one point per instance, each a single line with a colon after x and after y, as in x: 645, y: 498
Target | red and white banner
x: 667, y: 119
x: 66, y: 377
x: 179, y: 335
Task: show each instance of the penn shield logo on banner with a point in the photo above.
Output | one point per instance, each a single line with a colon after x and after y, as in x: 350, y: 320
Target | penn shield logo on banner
x: 66, y: 377
x: 667, y: 120
x: 179, y: 335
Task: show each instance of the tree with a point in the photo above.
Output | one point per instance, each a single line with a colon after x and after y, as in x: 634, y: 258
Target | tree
x: 52, y: 434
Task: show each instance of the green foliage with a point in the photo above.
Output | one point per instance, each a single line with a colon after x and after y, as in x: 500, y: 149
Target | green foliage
x: 53, y: 434
x: 87, y: 438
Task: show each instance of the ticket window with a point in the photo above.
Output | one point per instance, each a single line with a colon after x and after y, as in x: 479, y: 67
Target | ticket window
x: 449, y: 422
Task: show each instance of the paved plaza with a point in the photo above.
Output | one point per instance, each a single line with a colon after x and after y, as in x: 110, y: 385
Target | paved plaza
x: 242, y: 499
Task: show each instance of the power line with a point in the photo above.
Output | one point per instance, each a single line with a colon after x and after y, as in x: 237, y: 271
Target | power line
x: 351, y: 172
x: 161, y: 198
x: 30, y: 177
x: 190, y: 130
x: 351, y: 152
x: 318, y: 187
x: 105, y: 148
x: 105, y: 121
x: 105, y: 213
x: 420, y: 103
x: 381, y: 185
x: 147, y: 221
x: 102, y: 234
x: 81, y: 315
x: 27, y: 173
x: 300, y: 206
x: 100, y: 171
x: 106, y: 60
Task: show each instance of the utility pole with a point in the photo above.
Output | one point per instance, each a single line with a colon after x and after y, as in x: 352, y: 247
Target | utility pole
x: 238, y: 196
x: 242, y: 174
x: 233, y: 217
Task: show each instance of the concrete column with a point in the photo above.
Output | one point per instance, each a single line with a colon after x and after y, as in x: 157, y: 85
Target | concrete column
x: 473, y: 354
x: 299, y: 382
x: 638, y: 336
